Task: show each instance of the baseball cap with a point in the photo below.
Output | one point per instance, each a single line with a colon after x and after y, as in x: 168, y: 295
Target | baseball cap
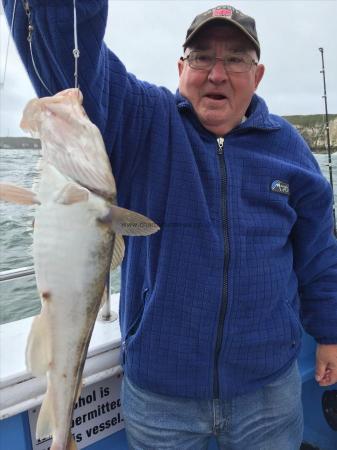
x: 225, y: 13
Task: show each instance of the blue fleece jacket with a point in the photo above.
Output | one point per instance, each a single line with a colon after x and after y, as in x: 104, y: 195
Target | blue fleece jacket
x: 212, y: 305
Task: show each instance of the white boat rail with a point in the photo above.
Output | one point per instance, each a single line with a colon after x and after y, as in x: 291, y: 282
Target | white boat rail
x: 105, y: 314
x: 12, y: 274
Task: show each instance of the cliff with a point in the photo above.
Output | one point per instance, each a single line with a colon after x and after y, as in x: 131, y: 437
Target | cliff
x: 312, y: 128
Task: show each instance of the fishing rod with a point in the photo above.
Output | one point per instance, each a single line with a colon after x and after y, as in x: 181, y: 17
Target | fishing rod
x: 327, y: 133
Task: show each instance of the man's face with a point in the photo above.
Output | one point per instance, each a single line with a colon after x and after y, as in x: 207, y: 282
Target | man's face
x: 220, y: 99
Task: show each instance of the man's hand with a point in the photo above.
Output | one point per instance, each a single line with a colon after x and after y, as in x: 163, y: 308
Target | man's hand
x: 326, y: 364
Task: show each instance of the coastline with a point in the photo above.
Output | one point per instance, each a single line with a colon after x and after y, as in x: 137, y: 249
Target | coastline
x: 25, y: 143
x: 19, y: 143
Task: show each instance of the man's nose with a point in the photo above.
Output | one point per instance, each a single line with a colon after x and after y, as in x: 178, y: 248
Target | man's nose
x: 218, y: 73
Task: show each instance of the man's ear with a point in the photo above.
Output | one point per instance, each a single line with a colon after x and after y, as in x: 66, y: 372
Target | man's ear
x: 180, y: 66
x: 259, y: 72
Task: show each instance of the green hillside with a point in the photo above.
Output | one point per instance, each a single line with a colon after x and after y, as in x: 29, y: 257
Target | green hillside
x: 309, y: 120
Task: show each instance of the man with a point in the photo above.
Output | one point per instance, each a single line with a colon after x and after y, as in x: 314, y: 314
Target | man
x: 210, y: 304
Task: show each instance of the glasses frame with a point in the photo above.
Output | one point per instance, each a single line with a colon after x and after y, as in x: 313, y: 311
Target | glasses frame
x: 217, y: 58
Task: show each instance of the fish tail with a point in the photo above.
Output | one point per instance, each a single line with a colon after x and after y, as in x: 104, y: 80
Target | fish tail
x: 71, y: 445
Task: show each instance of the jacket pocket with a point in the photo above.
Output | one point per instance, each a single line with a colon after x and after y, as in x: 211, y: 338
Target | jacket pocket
x: 132, y: 330
x: 296, y: 326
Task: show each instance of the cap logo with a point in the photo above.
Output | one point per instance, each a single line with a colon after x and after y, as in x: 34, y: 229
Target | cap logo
x: 222, y: 12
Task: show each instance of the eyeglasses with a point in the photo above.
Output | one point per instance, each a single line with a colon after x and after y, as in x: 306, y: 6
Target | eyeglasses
x: 204, y: 60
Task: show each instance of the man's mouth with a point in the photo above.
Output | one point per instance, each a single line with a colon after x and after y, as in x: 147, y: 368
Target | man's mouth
x: 216, y: 96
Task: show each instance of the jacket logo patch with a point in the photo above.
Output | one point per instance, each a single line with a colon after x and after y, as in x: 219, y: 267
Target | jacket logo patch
x: 280, y: 186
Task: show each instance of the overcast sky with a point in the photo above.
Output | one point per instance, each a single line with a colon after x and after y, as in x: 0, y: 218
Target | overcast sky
x: 147, y: 36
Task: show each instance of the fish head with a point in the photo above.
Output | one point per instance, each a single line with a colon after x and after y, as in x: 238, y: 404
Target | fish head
x: 70, y: 141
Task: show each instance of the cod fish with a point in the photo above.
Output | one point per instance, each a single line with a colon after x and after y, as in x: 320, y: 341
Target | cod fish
x: 76, y: 238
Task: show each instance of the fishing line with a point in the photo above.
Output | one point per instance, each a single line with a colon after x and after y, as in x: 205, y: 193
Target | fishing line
x: 30, y: 41
x: 2, y: 83
x: 76, y: 51
x: 35, y: 68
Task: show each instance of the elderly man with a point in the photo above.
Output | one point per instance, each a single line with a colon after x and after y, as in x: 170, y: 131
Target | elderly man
x: 212, y: 306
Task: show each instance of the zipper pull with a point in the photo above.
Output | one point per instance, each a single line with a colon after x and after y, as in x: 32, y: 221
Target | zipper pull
x: 220, y: 142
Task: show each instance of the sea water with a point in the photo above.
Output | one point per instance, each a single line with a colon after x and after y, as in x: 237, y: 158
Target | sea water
x: 19, y: 298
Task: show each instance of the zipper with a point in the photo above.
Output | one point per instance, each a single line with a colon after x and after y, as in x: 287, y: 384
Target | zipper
x: 223, y: 180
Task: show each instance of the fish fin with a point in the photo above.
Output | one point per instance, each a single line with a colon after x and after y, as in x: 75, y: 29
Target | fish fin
x: 37, y: 354
x: 44, y: 426
x: 71, y: 445
x: 17, y: 194
x: 72, y: 193
x: 130, y: 223
x: 118, y: 251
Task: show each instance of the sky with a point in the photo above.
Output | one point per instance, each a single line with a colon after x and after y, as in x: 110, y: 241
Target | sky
x: 148, y: 35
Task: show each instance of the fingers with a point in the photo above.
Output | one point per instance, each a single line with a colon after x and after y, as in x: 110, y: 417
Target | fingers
x: 326, y: 376
x: 320, y: 369
x: 326, y: 364
x: 324, y: 379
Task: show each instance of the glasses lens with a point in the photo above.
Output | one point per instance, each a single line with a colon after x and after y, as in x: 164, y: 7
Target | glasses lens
x: 201, y: 60
x: 237, y: 64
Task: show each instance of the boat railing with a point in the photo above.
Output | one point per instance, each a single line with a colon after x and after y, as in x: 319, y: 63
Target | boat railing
x: 106, y: 314
x: 13, y: 274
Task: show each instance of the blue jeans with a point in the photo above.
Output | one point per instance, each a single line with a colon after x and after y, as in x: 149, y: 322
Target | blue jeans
x: 268, y: 419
